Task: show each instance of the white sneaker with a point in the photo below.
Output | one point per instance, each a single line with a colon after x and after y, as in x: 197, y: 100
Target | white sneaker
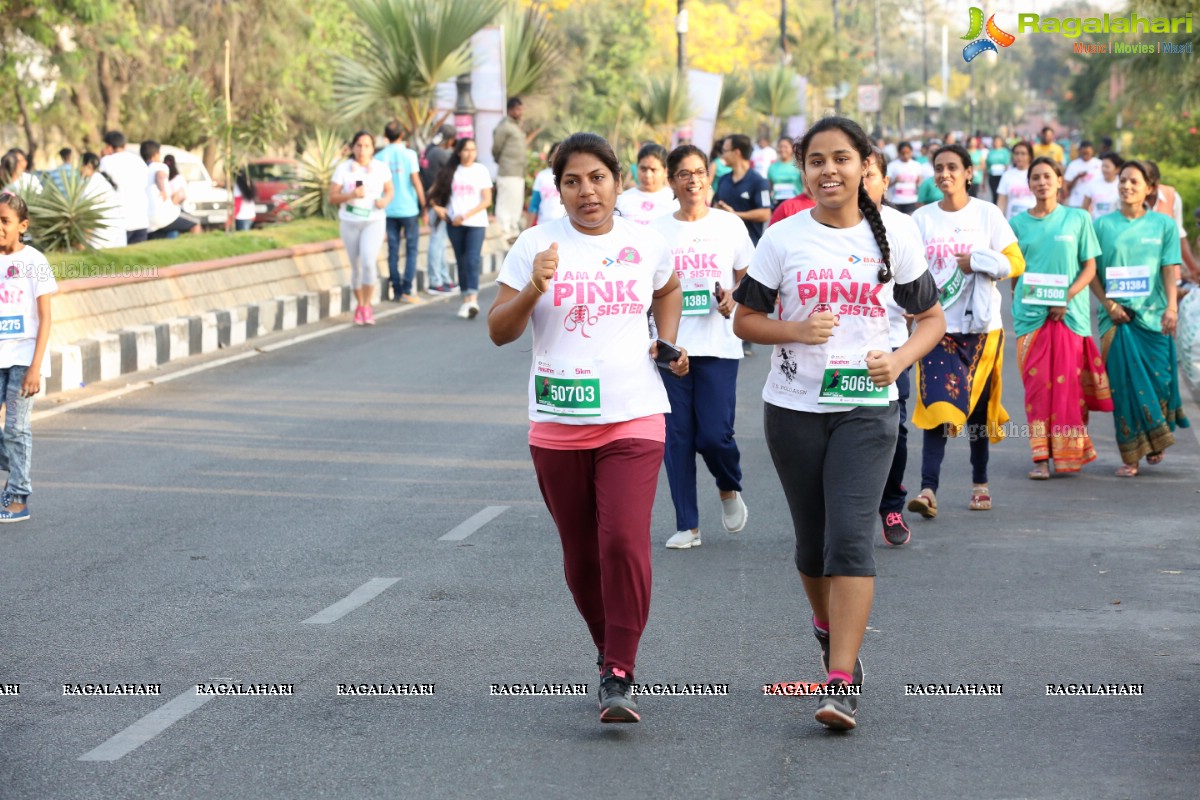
x: 472, y: 310
x: 464, y: 311
x: 684, y: 540
x: 734, y: 513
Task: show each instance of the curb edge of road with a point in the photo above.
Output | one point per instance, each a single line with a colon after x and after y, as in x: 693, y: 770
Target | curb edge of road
x: 487, y: 280
x: 141, y: 348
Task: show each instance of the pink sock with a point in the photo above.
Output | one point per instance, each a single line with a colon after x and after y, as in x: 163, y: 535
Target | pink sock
x: 821, y: 625
x: 838, y: 675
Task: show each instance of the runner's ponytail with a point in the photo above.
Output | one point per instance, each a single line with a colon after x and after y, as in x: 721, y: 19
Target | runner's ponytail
x: 874, y: 219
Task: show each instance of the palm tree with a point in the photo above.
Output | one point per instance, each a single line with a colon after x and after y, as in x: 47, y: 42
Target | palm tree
x: 664, y: 104
x: 773, y: 94
x: 408, y: 48
x: 733, y: 88
x: 532, y: 50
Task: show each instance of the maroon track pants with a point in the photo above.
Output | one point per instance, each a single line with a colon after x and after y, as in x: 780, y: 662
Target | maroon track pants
x: 601, y: 501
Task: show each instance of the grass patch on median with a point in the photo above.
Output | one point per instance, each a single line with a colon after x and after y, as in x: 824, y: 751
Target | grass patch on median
x: 145, y: 258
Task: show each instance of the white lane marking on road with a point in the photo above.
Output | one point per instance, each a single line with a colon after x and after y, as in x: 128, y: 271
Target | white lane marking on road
x: 147, y: 727
x: 473, y: 524
x: 360, y: 596
x: 220, y: 362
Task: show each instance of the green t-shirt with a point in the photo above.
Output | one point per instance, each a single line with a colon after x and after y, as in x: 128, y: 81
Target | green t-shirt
x: 928, y: 192
x: 977, y: 157
x: 1056, y: 244
x: 722, y: 170
x: 998, y: 159
x: 785, y: 181
x: 1146, y: 245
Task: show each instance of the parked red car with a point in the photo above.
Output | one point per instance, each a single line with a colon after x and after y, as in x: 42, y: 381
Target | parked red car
x: 275, y: 183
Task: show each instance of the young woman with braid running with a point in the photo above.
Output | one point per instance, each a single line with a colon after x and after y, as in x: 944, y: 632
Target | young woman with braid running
x: 830, y: 412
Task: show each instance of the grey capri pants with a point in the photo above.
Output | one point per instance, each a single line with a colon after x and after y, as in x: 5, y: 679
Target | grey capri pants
x: 363, y: 240
x: 832, y: 468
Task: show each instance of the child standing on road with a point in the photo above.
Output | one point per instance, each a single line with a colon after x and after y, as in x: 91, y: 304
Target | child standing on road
x: 26, y: 284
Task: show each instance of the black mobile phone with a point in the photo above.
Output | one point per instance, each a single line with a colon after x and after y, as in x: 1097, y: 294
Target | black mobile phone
x: 358, y: 184
x: 717, y: 291
x: 667, y: 353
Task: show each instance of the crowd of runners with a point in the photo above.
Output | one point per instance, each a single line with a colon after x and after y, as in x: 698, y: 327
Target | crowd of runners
x: 872, y: 269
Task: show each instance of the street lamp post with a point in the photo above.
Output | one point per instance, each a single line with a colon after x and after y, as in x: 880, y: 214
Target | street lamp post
x: 837, y: 53
x: 464, y: 107
x: 681, y: 21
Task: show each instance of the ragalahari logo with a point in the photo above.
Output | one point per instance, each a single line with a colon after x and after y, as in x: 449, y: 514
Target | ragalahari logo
x: 994, y: 36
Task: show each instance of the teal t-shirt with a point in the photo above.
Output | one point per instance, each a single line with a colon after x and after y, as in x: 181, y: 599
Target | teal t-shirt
x: 977, y: 157
x: 998, y: 159
x: 928, y: 192
x: 722, y: 170
x: 785, y: 181
x: 1056, y: 244
x: 402, y: 163
x: 1146, y: 244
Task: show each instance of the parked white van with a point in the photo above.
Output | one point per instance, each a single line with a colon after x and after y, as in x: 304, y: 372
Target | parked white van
x: 205, y: 199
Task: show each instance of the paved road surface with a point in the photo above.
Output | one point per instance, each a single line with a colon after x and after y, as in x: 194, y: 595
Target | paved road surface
x: 184, y: 534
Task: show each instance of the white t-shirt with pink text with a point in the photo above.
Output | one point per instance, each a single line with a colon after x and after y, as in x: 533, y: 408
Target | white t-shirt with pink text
x: 645, y: 207
x: 466, y: 193
x: 24, y: 277
x: 705, y: 253
x: 590, y: 325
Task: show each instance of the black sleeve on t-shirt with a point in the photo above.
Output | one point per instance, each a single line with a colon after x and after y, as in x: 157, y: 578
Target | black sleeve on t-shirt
x: 755, y: 295
x: 918, y: 296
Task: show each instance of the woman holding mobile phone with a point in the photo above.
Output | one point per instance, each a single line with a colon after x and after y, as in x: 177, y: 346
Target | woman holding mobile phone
x: 362, y: 187
x: 831, y: 413
x: 710, y: 251
x: 596, y: 398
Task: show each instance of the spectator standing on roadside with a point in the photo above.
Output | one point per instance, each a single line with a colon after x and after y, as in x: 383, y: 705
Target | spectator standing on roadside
x: 15, y: 175
x: 510, y: 148
x: 545, y: 204
x: 437, y: 153
x: 129, y: 175
x: 743, y: 191
x: 244, y: 204
x: 25, y: 290
x: 403, y: 213
x: 166, y: 219
x: 461, y: 198
x: 61, y: 174
x: 110, y: 231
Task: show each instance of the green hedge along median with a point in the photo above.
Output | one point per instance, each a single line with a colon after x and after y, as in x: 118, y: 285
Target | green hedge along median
x: 188, y: 248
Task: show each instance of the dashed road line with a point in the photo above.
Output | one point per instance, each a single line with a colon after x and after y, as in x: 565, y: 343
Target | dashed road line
x: 360, y: 596
x: 147, y: 727
x: 473, y: 524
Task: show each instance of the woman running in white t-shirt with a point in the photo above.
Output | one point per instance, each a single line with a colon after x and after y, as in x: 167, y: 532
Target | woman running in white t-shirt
x: 710, y: 251
x: 596, y: 398
x: 652, y: 198
x: 830, y: 411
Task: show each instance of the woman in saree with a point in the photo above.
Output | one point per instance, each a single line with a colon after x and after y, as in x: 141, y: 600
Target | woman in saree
x: 1135, y: 282
x: 970, y: 247
x: 1060, y: 366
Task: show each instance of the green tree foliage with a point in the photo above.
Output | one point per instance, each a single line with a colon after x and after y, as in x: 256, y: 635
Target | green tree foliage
x: 64, y: 219
x: 663, y: 104
x: 408, y: 48
x: 532, y: 50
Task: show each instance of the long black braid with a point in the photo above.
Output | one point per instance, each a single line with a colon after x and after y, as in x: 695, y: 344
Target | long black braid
x: 875, y: 220
x: 863, y: 146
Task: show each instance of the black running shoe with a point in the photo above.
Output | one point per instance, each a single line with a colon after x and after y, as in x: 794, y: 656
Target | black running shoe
x: 823, y: 640
x: 895, y: 532
x: 836, y: 711
x: 616, y: 698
